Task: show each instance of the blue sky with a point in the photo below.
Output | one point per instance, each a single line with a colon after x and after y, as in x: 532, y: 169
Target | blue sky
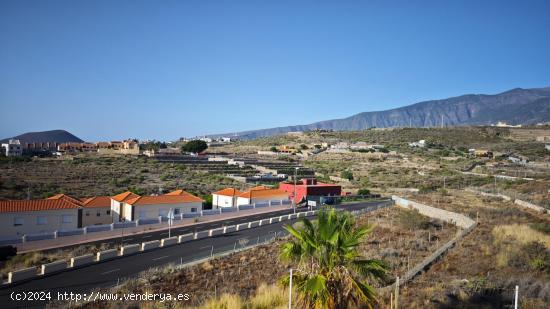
x: 164, y: 69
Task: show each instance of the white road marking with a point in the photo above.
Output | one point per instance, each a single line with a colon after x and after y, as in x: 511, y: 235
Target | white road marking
x: 159, y: 258
x: 110, y: 271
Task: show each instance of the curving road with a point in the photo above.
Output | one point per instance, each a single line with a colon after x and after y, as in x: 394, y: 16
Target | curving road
x: 108, y: 273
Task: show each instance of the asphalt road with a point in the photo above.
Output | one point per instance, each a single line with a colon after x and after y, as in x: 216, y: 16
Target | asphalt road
x: 105, y: 274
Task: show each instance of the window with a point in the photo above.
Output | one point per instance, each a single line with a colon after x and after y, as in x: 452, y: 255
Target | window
x: 194, y: 209
x: 87, y: 213
x: 177, y: 211
x: 98, y: 213
x: 66, y: 219
x: 108, y: 212
x: 41, y: 220
x: 17, y: 221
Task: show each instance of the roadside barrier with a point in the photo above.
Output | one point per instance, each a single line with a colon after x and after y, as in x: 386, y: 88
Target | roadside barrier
x: 57, y: 266
x: 81, y: 260
x: 129, y: 249
x: 148, y: 245
x: 22, y: 274
x: 107, y: 254
x: 165, y: 242
x: 53, y: 267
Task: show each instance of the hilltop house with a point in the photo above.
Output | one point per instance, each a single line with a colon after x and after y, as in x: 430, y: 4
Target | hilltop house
x: 129, y: 147
x: 12, y: 148
x: 23, y: 217
x: 225, y: 198
x: 128, y: 206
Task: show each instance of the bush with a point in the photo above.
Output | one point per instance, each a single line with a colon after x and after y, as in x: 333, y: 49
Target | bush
x: 543, y: 227
x: 347, y: 175
x: 363, y: 191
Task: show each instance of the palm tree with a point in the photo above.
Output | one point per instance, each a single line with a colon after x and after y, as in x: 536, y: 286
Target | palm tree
x: 330, y: 272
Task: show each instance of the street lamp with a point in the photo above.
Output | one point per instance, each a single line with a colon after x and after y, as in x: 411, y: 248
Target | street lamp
x: 294, y: 196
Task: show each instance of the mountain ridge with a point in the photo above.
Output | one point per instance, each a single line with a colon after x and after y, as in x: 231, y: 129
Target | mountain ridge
x: 467, y: 109
x: 57, y: 136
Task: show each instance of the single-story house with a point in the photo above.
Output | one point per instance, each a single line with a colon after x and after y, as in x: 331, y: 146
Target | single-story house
x: 225, y: 198
x: 23, y: 217
x: 134, y: 207
x: 117, y: 204
x: 96, y: 210
x: 261, y: 194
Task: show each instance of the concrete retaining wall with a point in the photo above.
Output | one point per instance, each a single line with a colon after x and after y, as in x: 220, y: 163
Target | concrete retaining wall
x: 190, y: 215
x: 245, y: 207
x: 129, y: 249
x: 98, y: 228
x: 186, y: 237
x: 82, y: 260
x: 502, y: 196
x: 53, y: 267
x: 119, y: 225
x: 165, y: 242
x: 34, y: 237
x: 265, y: 222
x: 22, y: 274
x: 148, y: 245
x: 530, y: 206
x: 292, y: 216
x: 274, y: 220
x: 283, y: 218
x: 107, y: 254
x: 432, y: 212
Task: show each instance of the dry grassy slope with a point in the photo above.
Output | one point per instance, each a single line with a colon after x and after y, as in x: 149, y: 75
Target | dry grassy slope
x: 475, y: 260
x: 94, y: 175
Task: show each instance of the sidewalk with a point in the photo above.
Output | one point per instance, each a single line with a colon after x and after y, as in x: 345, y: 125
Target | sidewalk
x: 138, y: 230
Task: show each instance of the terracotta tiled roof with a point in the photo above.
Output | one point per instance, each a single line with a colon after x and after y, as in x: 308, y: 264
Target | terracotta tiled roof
x: 260, y: 188
x: 66, y: 198
x: 122, y: 197
x: 36, y: 205
x: 263, y: 193
x: 185, y: 193
x: 162, y: 199
x: 228, y: 192
x: 97, y: 201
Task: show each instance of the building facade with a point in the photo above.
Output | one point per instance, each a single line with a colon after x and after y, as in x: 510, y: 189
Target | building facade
x: 225, y: 198
x: 309, y: 189
x: 12, y: 148
x: 96, y: 211
x: 24, y: 217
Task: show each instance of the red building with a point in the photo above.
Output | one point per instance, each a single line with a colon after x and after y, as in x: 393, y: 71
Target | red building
x: 309, y: 189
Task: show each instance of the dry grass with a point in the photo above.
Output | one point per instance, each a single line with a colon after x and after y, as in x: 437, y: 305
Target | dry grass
x: 520, y: 232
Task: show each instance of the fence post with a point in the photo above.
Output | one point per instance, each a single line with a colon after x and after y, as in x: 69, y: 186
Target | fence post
x: 516, y: 298
x: 397, y: 293
x: 290, y: 291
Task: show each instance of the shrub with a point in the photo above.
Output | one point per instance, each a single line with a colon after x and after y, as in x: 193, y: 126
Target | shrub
x: 347, y: 175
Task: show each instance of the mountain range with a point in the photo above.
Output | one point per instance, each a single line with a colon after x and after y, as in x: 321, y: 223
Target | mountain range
x: 57, y: 136
x: 516, y: 106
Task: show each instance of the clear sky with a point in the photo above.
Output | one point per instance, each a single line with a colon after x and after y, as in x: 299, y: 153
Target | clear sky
x: 164, y: 69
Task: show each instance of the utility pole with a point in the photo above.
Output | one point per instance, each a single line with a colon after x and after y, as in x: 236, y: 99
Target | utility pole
x: 294, y: 196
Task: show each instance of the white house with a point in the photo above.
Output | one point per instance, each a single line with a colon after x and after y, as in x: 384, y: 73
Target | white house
x: 261, y: 194
x: 131, y: 207
x: 23, y: 217
x: 12, y: 148
x: 225, y: 198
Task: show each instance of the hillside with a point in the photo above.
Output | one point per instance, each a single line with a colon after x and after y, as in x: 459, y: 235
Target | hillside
x: 58, y: 136
x: 516, y: 106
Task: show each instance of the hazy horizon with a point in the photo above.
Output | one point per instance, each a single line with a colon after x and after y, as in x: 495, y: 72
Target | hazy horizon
x: 148, y: 70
